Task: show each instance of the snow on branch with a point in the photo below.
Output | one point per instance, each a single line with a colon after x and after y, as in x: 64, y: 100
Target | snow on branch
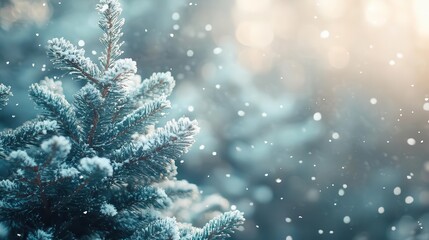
x: 152, y: 160
x: 180, y: 189
x: 66, y: 56
x: 122, y: 69
x: 96, y: 165
x: 161, y: 229
x: 158, y: 85
x: 88, y: 102
x: 28, y: 134
x: 220, y: 227
x: 136, y: 121
x: 57, y: 146
x: 108, y: 209
x: 7, y: 185
x: 56, y: 107
x: 111, y: 24
x: 21, y: 157
x: 40, y: 235
x: 54, y: 86
x: 142, y: 198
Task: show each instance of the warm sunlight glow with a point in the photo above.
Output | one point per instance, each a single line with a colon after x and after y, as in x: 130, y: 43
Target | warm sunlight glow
x: 421, y: 11
x: 376, y: 13
x: 255, y: 33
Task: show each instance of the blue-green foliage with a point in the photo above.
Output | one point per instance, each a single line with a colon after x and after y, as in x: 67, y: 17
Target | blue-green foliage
x: 220, y: 227
x: 79, y: 172
x: 56, y: 107
x: 29, y: 133
x: 4, y: 94
x: 40, y: 235
x: 111, y: 25
x: 68, y: 57
x: 162, y: 229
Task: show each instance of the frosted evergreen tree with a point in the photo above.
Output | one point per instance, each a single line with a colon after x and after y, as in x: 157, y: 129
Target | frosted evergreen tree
x: 76, y: 172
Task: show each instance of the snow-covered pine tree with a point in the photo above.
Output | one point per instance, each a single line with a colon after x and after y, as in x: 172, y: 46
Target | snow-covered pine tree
x: 77, y: 173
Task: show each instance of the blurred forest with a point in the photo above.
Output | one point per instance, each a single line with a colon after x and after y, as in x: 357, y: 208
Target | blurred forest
x: 314, y: 114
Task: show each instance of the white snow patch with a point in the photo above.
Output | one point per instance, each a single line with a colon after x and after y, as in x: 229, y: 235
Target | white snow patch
x: 317, y: 116
x: 409, y: 200
x: 93, y: 164
x: 411, y: 141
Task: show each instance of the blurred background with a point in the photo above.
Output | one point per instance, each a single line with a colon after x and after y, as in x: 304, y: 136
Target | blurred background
x: 314, y: 113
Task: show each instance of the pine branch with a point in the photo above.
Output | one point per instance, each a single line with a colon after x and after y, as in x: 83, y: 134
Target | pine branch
x: 96, y: 166
x: 129, y: 105
x: 57, y: 148
x: 28, y: 134
x: 157, y: 86
x: 65, y: 56
x: 54, y: 86
x: 88, y: 103
x: 131, y: 221
x: 121, y: 69
x: 111, y: 24
x: 161, y: 229
x: 136, y: 121
x: 22, y: 159
x: 57, y: 107
x: 40, y: 235
x: 179, y: 189
x: 186, y: 231
x: 152, y: 160
x: 141, y: 198
x: 220, y: 227
x: 115, y: 98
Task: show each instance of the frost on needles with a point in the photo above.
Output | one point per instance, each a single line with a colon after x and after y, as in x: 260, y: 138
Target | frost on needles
x: 79, y: 172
